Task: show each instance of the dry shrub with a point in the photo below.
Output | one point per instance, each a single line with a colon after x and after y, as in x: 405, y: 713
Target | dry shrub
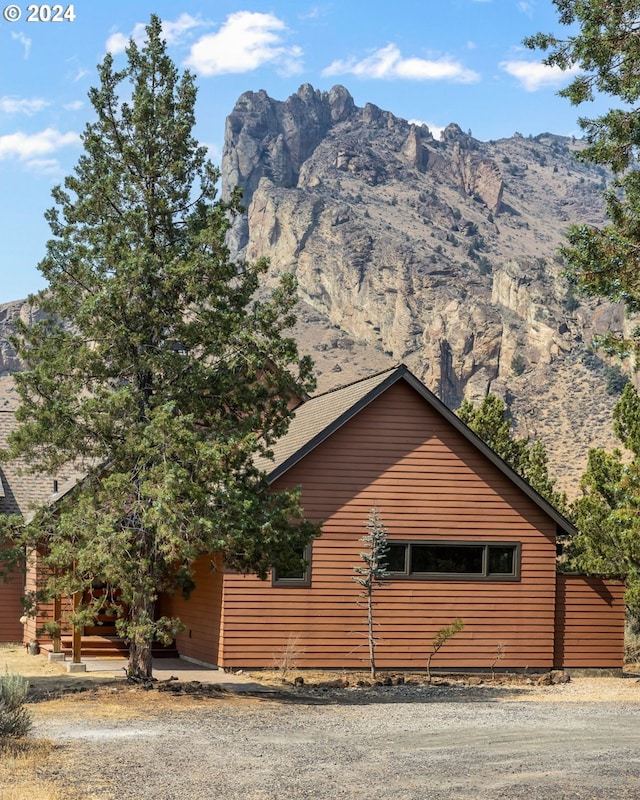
x: 288, y: 657
x: 15, y: 719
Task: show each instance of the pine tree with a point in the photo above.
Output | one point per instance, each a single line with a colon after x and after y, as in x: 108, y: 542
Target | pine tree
x: 608, y: 513
x: 156, y: 369
x: 491, y: 423
x: 372, y: 575
x: 604, y: 43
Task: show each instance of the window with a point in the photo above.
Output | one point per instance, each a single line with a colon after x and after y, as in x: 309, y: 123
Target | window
x: 294, y: 576
x: 454, y: 559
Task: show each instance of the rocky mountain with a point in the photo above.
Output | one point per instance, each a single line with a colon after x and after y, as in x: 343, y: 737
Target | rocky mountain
x: 441, y: 253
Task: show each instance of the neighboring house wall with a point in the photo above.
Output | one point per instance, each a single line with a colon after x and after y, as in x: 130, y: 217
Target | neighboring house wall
x: 429, y: 483
x: 589, y: 622
x: 21, y: 492
x: 11, y: 608
x: 200, y: 614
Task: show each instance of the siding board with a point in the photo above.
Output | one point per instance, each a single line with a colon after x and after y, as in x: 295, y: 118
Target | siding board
x: 429, y: 483
x: 589, y: 623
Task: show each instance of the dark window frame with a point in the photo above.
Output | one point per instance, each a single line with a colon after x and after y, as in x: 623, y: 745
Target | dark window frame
x: 303, y: 580
x: 485, y: 575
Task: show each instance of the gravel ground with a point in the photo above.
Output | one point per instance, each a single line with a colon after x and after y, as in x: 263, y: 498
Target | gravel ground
x: 388, y: 743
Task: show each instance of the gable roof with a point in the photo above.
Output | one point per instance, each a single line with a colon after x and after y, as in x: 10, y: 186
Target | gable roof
x: 318, y: 418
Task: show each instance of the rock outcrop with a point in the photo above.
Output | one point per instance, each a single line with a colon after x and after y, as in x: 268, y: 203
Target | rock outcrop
x: 439, y: 253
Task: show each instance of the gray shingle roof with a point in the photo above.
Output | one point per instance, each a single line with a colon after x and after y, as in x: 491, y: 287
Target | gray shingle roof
x: 318, y: 418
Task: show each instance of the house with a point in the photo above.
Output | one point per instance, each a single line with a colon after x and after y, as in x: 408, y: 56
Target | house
x: 468, y: 538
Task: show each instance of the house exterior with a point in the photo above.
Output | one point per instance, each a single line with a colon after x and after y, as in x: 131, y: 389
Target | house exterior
x: 468, y: 538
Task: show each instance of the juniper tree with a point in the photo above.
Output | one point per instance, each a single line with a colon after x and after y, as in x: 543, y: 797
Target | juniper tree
x: 372, y: 575
x: 608, y: 512
x: 605, y: 44
x: 156, y: 371
x: 490, y: 422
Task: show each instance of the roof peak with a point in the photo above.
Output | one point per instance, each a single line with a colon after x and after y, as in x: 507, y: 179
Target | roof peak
x: 342, y: 386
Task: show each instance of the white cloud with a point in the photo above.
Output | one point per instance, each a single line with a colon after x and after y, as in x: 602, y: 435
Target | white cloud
x: 246, y: 41
x: 534, y: 75
x: 80, y: 74
x: 17, y: 105
x: 173, y: 32
x: 76, y: 105
x: 25, y: 146
x: 434, y: 129
x: 44, y: 166
x: 387, y: 62
x: 117, y: 42
x: 24, y: 41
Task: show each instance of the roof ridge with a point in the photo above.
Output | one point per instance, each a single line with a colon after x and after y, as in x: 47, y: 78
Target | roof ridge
x: 358, y: 380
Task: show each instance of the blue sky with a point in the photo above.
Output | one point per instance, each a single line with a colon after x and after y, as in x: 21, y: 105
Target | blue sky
x: 437, y: 62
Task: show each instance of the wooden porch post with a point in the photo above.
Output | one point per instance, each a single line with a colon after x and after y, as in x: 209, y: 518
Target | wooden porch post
x: 57, y: 617
x: 76, y: 664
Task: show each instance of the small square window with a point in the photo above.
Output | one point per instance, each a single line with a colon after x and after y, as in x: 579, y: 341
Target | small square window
x: 295, y: 576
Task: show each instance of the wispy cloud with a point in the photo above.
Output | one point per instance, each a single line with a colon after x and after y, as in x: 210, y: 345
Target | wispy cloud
x: 174, y: 32
x: 388, y: 62
x: 534, y: 75
x: 24, y: 41
x: 435, y: 130
x: 526, y: 8
x: 247, y: 40
x: 44, y: 166
x: 18, y: 105
x: 76, y: 105
x: 28, y: 146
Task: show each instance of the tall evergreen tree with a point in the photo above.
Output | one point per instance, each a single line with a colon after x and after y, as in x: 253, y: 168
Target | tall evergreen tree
x: 490, y: 421
x: 605, y: 44
x: 608, y: 513
x: 156, y: 370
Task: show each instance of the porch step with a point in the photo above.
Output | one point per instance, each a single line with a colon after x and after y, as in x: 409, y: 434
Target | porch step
x: 97, y: 646
x: 113, y: 646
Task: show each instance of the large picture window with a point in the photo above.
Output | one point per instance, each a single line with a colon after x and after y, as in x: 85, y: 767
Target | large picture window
x: 495, y: 561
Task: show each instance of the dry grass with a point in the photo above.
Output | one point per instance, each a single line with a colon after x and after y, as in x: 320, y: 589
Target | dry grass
x: 21, y: 764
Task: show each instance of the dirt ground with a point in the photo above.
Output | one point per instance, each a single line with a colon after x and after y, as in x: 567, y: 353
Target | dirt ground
x: 101, y: 739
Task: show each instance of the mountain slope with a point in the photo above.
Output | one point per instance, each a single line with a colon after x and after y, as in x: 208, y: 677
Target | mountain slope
x: 439, y: 253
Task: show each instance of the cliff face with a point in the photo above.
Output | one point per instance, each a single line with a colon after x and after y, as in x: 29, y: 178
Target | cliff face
x: 439, y: 253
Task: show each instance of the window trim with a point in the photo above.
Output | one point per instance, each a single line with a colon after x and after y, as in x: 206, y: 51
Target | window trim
x: 303, y: 581
x: 458, y: 576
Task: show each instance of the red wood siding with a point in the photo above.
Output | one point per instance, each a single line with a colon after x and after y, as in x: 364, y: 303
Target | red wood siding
x: 589, y: 623
x: 11, y: 608
x: 201, y: 613
x: 429, y: 483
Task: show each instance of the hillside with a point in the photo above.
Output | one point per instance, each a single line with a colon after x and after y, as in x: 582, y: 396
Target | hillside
x: 441, y: 253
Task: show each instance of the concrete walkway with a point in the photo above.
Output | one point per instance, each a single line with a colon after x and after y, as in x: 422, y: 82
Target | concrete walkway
x: 184, y: 671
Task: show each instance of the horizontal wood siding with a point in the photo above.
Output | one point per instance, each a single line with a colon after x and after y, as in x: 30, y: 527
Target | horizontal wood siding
x: 589, y: 623
x: 428, y: 483
x: 201, y: 613
x: 11, y: 608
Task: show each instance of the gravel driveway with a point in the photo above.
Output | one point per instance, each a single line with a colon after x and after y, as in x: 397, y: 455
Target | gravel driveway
x: 389, y: 744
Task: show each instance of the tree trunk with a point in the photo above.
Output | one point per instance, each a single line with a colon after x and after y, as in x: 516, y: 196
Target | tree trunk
x: 372, y: 641
x: 141, y: 639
